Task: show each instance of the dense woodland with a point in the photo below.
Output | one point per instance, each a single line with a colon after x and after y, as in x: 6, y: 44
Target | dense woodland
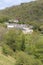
x: 17, y: 48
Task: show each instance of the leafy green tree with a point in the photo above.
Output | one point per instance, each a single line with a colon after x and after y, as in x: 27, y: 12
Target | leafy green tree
x: 15, y: 39
x: 23, y: 43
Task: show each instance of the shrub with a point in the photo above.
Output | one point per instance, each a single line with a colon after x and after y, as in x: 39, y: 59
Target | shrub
x: 25, y: 59
x: 7, y: 50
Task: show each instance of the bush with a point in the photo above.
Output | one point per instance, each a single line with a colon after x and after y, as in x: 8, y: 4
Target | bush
x: 15, y: 40
x: 24, y: 59
x: 7, y: 50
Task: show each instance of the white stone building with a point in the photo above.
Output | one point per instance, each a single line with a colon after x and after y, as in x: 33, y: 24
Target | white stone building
x: 22, y: 27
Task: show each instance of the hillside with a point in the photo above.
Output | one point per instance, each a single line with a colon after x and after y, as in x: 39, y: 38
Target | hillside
x: 6, y: 60
x: 26, y: 12
x: 17, y: 48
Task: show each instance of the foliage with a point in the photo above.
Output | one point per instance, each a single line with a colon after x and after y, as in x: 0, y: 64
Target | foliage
x: 25, y: 59
x: 29, y: 13
x: 7, y: 50
x: 26, y: 49
x: 15, y: 40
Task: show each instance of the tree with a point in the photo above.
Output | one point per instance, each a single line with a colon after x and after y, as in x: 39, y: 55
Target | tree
x: 15, y: 39
x: 23, y: 43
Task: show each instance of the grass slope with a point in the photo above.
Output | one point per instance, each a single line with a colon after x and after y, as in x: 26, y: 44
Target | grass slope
x: 25, y: 12
x: 6, y: 60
